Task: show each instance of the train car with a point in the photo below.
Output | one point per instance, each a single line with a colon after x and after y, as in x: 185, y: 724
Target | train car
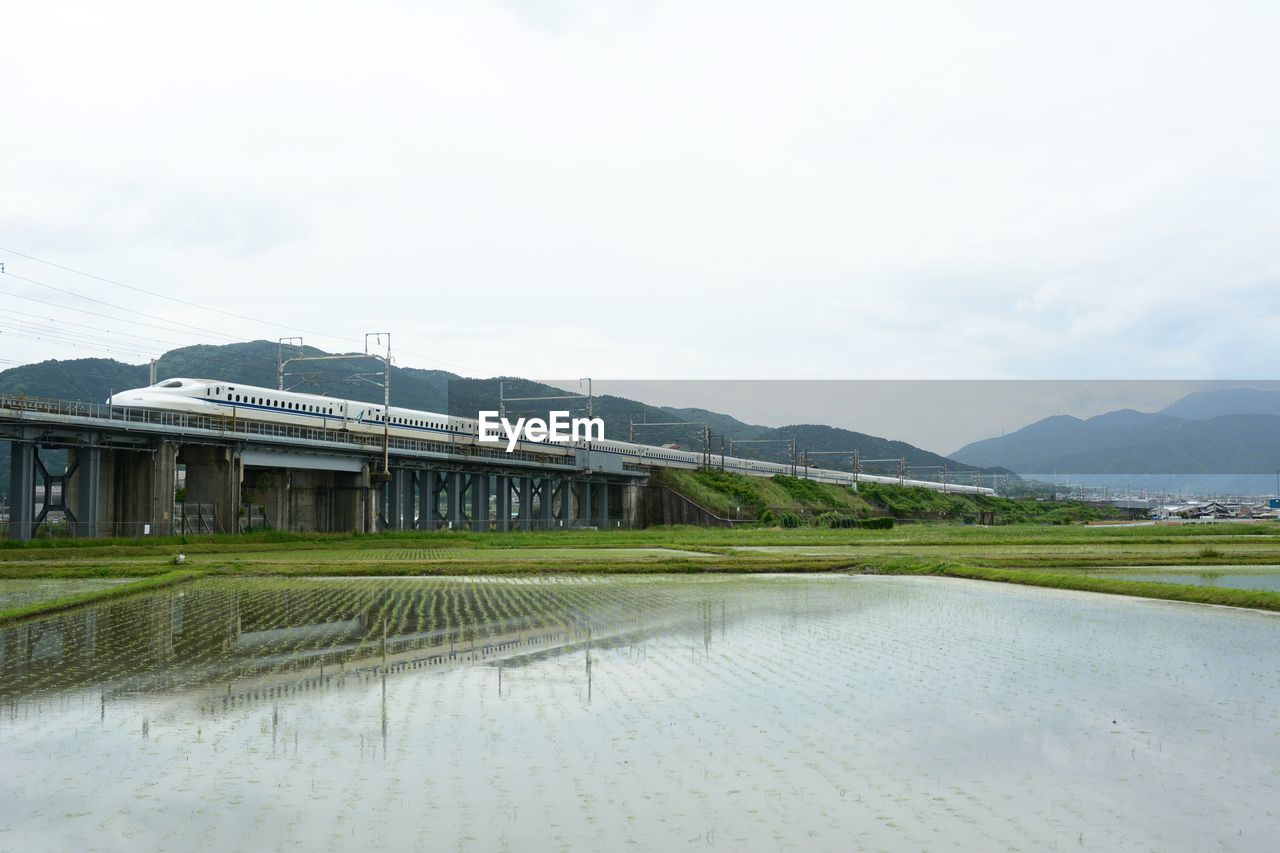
x: 251, y: 402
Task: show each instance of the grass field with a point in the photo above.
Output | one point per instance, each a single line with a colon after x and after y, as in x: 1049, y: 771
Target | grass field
x: 1048, y: 555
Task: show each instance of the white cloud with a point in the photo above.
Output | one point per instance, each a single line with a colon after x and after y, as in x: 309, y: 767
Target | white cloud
x: 657, y: 190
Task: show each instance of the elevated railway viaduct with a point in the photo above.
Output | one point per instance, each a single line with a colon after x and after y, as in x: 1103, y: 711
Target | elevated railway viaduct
x: 122, y: 464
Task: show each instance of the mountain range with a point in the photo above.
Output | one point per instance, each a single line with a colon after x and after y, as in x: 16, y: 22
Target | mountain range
x: 1223, y: 431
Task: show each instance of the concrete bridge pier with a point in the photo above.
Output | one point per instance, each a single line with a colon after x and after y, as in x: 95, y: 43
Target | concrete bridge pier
x: 525, y: 519
x: 568, y: 502
x: 433, y: 486
x: 456, y: 496
x: 546, y: 503
x: 480, y: 501
x: 84, y: 487
x: 119, y: 492
x: 213, y: 478
x: 315, y: 500
x: 585, y: 503
x: 139, y: 501
x: 502, y: 502
x: 602, y: 505
x: 397, y: 500
x: 357, y: 502
x: 22, y: 489
x: 632, y: 504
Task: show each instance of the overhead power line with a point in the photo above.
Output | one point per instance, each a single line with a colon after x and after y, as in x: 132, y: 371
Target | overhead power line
x: 59, y: 320
x: 98, y: 314
x: 210, y: 308
x: 154, y: 293
x: 119, y: 307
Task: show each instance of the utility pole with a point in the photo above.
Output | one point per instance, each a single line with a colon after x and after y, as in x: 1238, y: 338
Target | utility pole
x: 503, y: 399
x: 852, y: 454
x: 791, y: 442
x: 706, y: 433
x: 153, y: 372
x: 282, y: 363
x: 281, y: 343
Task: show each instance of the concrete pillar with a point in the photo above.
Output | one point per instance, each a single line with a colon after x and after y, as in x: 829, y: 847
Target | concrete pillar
x: 369, y: 498
x: 393, y: 500
x: 142, y: 483
x: 602, y: 505
x: 351, y: 506
x: 408, y: 499
x: 502, y: 502
x: 270, y: 489
x: 526, y: 502
x: 310, y: 500
x: 433, y: 483
x: 480, y: 501
x: 546, y: 503
x: 568, y: 502
x: 213, y: 478
x: 585, y: 505
x: 84, y: 490
x: 632, y: 496
x: 22, y: 489
x: 164, y: 470
x: 456, y: 517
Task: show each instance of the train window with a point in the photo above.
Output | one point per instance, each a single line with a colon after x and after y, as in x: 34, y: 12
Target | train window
x: 177, y: 383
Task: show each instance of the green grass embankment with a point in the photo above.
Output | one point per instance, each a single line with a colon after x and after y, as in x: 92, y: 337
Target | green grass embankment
x: 1196, y: 594
x: 97, y: 596
x: 1043, y: 555
x: 731, y: 495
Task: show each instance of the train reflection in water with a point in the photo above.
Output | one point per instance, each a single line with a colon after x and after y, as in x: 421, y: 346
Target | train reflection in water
x: 230, y: 639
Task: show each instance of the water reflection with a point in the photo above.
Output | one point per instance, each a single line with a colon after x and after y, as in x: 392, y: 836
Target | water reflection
x: 1234, y: 577
x: 740, y: 713
x: 244, y: 635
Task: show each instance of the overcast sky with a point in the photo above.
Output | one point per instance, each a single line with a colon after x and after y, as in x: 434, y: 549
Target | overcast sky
x: 654, y: 190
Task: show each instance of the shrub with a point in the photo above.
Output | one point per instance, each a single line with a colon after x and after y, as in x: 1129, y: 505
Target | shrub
x: 791, y: 519
x: 806, y: 491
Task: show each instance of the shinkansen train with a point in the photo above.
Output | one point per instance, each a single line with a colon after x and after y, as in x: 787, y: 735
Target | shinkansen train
x: 249, y: 402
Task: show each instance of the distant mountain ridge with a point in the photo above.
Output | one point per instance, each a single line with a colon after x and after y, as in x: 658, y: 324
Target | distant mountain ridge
x: 1220, y: 431
x: 92, y: 380
x: 1201, y: 405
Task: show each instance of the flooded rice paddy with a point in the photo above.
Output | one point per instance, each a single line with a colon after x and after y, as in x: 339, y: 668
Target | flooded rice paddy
x: 1235, y: 577
x: 735, y: 713
x: 18, y: 592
